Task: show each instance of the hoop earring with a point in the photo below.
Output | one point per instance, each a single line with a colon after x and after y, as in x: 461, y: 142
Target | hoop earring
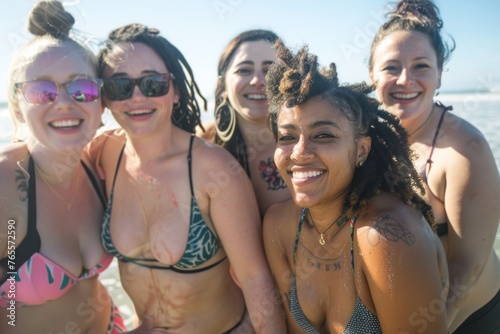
x: 225, y: 107
x: 177, y: 105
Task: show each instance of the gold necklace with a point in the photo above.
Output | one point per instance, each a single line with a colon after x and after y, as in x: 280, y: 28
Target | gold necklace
x: 421, y: 125
x: 68, y: 205
x: 322, y: 235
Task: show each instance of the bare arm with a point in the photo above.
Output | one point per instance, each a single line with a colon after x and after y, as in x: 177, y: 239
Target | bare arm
x: 276, y: 227
x: 401, y: 264
x: 13, y: 200
x: 234, y: 211
x: 472, y: 198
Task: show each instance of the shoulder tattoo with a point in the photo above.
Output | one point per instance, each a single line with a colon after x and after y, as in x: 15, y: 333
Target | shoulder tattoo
x: 392, y: 230
x: 22, y: 185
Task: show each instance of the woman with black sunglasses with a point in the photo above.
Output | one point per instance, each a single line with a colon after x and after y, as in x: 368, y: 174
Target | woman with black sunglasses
x: 182, y: 218
x: 51, y: 203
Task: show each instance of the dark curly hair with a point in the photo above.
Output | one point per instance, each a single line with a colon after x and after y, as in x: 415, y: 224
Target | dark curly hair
x: 296, y: 78
x: 416, y: 15
x: 236, y: 144
x: 187, y: 116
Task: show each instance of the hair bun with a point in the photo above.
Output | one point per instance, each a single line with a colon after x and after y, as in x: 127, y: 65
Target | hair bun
x: 423, y: 11
x: 49, y: 17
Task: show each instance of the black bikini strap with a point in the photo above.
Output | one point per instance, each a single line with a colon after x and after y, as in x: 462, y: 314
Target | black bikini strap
x: 116, y: 169
x: 189, y: 164
x: 95, y: 184
x: 32, y: 200
x: 143, y: 263
x: 437, y: 132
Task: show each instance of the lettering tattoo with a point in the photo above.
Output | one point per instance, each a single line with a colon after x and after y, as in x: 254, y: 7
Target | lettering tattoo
x: 320, y: 263
x: 392, y: 230
x: 22, y: 185
x: 270, y: 175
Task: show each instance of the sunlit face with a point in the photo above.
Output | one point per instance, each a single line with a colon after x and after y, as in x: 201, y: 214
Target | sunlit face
x: 245, y: 79
x: 406, y: 72
x: 64, y: 124
x: 317, y: 152
x: 139, y: 115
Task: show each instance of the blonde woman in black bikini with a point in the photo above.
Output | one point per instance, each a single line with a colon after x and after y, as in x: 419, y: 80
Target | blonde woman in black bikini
x: 455, y: 161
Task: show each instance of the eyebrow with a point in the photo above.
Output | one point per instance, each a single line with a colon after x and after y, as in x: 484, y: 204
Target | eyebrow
x: 145, y: 72
x: 317, y: 124
x: 250, y: 62
x: 71, y: 77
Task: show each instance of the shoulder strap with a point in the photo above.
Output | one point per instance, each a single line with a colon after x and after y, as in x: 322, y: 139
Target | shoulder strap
x: 116, y: 169
x: 189, y: 164
x: 32, y: 237
x: 95, y: 184
x: 297, y: 236
x: 429, y: 160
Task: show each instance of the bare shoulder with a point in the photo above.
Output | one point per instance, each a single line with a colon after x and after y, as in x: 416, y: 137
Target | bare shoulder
x: 212, y: 157
x: 103, y: 150
x: 106, y: 138
x: 280, y: 214
x: 13, y: 168
x: 13, y: 187
x: 463, y: 139
x: 12, y: 153
x: 280, y: 221
x: 388, y: 224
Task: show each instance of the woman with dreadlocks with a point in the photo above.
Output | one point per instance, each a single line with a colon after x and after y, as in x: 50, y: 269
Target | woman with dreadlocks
x: 354, y: 251
x: 181, y: 211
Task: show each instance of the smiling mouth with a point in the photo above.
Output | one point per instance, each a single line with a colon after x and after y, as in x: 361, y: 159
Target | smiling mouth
x: 66, y: 124
x: 306, y: 175
x: 404, y: 96
x: 140, y: 112
x: 256, y: 97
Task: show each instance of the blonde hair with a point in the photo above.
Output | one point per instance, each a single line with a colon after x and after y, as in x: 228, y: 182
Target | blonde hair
x: 51, y: 25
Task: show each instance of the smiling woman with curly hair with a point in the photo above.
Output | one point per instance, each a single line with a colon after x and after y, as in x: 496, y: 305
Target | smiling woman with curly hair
x: 354, y: 251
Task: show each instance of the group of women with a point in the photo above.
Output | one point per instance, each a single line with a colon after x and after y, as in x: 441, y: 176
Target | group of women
x: 379, y: 215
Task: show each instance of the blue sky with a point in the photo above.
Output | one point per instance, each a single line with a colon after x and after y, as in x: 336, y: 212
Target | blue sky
x: 337, y: 31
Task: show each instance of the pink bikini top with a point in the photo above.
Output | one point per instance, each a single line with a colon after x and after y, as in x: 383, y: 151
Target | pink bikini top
x: 31, y: 278
x: 40, y: 280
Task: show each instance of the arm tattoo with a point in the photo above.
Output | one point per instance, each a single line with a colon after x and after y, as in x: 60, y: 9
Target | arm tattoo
x: 22, y: 185
x: 392, y: 230
x: 270, y: 175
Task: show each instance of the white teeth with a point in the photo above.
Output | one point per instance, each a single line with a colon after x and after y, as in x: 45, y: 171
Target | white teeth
x: 257, y: 97
x: 139, y: 112
x: 66, y: 123
x: 305, y: 175
x: 405, y: 95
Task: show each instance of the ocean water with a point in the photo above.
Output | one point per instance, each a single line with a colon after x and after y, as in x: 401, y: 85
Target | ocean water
x: 480, y: 109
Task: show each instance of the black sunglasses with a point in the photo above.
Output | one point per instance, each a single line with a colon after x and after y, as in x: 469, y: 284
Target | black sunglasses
x: 154, y: 85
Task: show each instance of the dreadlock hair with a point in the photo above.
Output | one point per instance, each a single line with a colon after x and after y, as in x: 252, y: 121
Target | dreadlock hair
x: 295, y: 78
x: 236, y: 144
x: 416, y: 15
x: 187, y: 116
